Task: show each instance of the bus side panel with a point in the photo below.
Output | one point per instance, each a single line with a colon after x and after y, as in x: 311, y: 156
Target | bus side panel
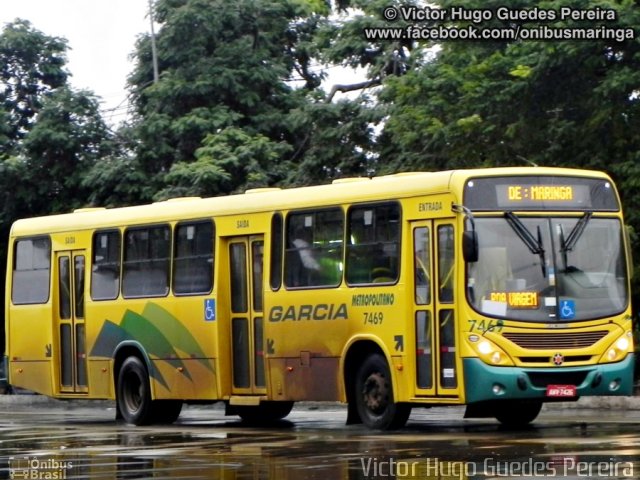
x: 100, y: 376
x: 32, y: 375
x: 305, y: 378
x: 305, y: 333
x: 30, y: 348
x: 184, y: 379
x: 174, y: 336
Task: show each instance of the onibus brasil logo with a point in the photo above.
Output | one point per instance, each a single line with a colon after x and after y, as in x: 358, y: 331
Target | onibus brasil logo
x: 39, y: 468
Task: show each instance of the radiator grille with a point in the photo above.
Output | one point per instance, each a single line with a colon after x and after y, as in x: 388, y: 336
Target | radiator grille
x: 551, y: 341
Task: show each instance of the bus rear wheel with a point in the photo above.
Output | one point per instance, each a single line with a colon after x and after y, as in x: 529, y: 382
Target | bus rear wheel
x: 374, y: 396
x: 166, y: 411
x: 518, y: 413
x: 133, y: 393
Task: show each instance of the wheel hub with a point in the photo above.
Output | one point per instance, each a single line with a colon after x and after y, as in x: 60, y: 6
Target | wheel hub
x: 133, y: 393
x: 376, y: 392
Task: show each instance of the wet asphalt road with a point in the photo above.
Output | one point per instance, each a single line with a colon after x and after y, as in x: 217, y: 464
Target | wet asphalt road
x: 59, y: 440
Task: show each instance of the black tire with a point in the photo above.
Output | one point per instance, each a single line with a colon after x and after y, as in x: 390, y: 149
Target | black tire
x: 518, y: 413
x: 133, y: 393
x: 374, y: 396
x: 266, y: 412
x: 166, y: 411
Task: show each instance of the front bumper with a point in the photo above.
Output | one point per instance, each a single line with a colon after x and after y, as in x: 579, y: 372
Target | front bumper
x: 485, y: 382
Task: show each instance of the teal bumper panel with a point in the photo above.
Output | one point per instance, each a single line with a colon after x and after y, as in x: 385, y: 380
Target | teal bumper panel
x: 485, y: 382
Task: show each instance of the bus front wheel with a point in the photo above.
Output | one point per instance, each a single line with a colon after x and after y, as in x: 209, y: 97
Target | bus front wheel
x: 133, y: 393
x: 518, y: 414
x: 374, y: 396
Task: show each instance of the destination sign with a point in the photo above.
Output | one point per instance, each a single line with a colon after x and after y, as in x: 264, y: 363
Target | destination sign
x: 540, y: 193
x: 516, y: 299
x: 561, y: 193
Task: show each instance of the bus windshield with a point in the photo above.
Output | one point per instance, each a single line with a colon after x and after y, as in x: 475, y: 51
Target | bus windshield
x: 554, y: 269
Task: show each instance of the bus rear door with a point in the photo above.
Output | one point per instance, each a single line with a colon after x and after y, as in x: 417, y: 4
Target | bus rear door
x: 69, y: 317
x: 246, y: 282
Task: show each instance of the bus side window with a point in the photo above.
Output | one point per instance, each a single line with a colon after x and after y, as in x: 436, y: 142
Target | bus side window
x: 314, y: 248
x: 146, y: 262
x: 373, y: 244
x: 276, y: 252
x: 105, y: 267
x: 300, y: 265
x: 193, y: 258
x: 31, y: 271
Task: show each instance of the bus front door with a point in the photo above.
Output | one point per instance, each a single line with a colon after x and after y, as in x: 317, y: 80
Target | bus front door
x: 434, y: 309
x: 246, y: 282
x: 70, y: 319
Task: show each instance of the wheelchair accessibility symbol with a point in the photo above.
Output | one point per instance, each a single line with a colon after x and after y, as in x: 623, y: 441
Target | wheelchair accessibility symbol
x: 567, y: 309
x: 210, y: 309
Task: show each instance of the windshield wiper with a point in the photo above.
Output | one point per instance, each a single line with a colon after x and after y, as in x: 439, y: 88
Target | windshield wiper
x: 566, y: 245
x: 534, y: 245
x: 575, y: 234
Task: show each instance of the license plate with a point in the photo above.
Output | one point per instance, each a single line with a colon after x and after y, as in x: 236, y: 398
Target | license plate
x: 561, y: 391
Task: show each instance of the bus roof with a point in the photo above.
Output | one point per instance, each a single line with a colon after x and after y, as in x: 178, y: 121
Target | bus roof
x: 400, y: 185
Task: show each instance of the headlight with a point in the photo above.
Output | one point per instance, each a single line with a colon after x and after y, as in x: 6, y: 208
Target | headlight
x: 619, y: 349
x: 485, y: 347
x: 488, y: 351
x: 622, y: 344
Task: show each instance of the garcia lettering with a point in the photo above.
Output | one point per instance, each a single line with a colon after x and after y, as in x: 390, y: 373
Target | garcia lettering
x: 321, y: 311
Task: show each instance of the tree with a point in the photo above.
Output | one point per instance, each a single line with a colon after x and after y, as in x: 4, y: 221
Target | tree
x: 67, y: 139
x: 502, y: 103
x: 339, y: 142
x: 50, y: 135
x: 31, y: 64
x: 341, y: 136
x: 342, y: 41
x: 222, y: 65
x: 228, y: 161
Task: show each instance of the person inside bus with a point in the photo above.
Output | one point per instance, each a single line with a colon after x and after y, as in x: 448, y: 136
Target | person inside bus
x: 302, y: 265
x: 382, y: 265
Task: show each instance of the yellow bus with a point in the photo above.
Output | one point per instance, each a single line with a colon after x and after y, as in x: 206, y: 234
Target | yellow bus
x: 499, y: 289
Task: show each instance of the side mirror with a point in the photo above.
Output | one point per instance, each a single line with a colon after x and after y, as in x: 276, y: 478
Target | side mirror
x: 628, y: 229
x: 469, y: 237
x: 470, y: 246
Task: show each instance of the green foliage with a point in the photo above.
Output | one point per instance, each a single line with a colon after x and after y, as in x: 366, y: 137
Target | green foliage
x: 339, y: 141
x: 229, y: 160
x: 222, y: 64
x: 116, y: 181
x: 548, y: 103
x: 342, y: 41
x: 67, y: 139
x: 31, y: 64
x: 50, y: 135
